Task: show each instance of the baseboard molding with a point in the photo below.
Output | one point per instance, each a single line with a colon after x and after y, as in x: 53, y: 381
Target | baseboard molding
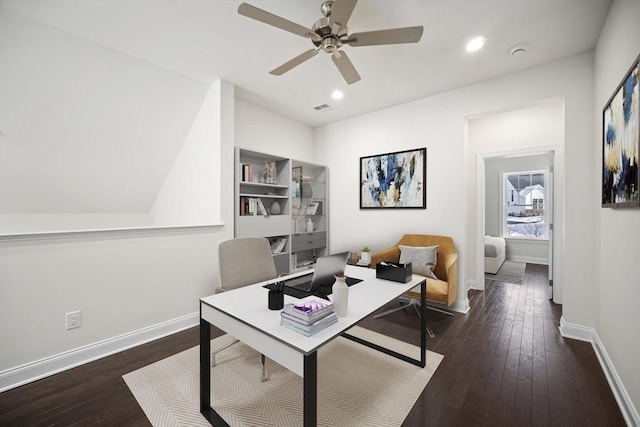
x: 461, y: 306
x: 629, y: 411
x: 530, y: 260
x: 576, y: 332
x: 581, y: 333
x: 24, y: 374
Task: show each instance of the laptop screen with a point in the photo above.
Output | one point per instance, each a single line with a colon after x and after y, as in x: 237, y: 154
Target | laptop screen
x: 321, y: 279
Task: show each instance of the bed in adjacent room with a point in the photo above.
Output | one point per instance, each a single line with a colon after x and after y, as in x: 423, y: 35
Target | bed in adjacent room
x: 494, y: 253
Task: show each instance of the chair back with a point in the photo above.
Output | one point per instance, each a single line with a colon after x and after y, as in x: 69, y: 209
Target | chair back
x: 245, y: 261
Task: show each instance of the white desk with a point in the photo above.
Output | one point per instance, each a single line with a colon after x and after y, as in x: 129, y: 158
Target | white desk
x: 243, y: 314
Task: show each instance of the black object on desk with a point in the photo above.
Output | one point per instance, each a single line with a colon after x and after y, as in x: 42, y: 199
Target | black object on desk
x: 394, y: 271
x: 276, y: 296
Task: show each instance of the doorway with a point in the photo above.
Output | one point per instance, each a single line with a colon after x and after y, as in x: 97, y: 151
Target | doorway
x: 518, y: 205
x: 518, y: 134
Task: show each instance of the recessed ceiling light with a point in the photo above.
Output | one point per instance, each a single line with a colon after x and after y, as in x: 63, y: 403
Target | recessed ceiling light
x: 476, y: 43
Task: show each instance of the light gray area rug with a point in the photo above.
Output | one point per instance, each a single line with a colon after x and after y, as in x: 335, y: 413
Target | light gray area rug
x: 357, y: 386
x: 510, y: 272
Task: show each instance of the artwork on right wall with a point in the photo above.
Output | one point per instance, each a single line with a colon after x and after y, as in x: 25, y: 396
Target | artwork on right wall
x: 621, y: 143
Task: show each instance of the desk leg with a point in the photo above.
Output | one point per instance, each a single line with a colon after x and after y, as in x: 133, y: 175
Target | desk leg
x: 205, y: 375
x: 310, y: 394
x: 423, y: 335
x: 423, y: 323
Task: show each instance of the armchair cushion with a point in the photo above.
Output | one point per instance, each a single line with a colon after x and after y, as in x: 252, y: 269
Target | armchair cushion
x: 423, y: 259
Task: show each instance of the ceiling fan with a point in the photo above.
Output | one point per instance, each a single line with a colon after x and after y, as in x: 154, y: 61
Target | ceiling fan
x: 330, y: 34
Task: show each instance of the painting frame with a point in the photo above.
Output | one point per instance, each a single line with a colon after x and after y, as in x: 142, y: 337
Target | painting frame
x: 621, y: 143
x: 395, y: 180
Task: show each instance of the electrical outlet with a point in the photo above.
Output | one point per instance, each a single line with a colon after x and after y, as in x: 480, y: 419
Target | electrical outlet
x: 73, y: 319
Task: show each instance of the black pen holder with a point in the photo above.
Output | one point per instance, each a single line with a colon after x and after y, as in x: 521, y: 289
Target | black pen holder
x: 276, y: 299
x: 397, y: 272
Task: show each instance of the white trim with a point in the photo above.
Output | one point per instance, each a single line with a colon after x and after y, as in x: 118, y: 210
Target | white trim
x: 29, y: 372
x: 529, y: 259
x: 629, y: 411
x: 461, y: 306
x: 107, y: 232
x: 582, y: 333
x: 576, y: 332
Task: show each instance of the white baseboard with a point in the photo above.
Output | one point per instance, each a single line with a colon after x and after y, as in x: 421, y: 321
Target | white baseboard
x: 581, y: 333
x: 576, y: 332
x: 529, y: 259
x: 24, y: 374
x: 461, y: 306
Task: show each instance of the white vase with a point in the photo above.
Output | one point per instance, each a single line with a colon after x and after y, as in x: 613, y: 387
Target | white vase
x: 275, y: 208
x: 365, y: 257
x: 340, y: 294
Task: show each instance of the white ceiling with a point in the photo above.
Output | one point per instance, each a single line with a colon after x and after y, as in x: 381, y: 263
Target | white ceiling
x: 208, y: 40
x: 98, y: 96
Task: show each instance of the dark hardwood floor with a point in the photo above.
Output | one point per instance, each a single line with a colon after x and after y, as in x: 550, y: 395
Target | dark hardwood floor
x: 505, y: 364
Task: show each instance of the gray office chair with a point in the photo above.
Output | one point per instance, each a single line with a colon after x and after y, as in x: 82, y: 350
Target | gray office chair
x: 243, y: 262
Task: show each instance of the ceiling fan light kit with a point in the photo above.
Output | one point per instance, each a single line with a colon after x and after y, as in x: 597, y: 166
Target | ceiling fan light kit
x: 330, y: 34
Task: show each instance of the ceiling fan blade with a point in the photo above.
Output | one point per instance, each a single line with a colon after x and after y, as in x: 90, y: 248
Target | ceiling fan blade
x: 341, y: 13
x: 274, y: 20
x: 392, y: 36
x: 295, y: 62
x: 345, y: 67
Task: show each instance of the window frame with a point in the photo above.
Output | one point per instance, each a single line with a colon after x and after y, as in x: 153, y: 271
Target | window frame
x: 505, y: 204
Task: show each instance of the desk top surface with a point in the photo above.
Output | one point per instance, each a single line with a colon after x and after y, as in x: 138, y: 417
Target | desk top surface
x: 249, y: 306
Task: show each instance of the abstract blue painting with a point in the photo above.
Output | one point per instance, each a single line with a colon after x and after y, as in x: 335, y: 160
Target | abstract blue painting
x: 394, y: 180
x: 621, y: 143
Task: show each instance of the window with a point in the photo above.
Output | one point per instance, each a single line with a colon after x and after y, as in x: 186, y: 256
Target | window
x: 524, y: 205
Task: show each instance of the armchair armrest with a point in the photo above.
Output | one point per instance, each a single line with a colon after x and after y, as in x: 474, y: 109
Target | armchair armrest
x: 451, y: 265
x: 389, y: 254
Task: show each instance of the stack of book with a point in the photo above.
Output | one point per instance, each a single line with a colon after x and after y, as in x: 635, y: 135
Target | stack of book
x: 308, y: 316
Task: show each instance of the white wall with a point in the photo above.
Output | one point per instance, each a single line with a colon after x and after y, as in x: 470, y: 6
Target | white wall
x: 267, y: 132
x: 123, y: 283
x: 190, y: 193
x: 87, y: 133
x: 438, y: 122
x: 618, y: 239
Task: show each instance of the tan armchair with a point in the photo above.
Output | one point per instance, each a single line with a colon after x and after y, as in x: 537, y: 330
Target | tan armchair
x: 441, y: 291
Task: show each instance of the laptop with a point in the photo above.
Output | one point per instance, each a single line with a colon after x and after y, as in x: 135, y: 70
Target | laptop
x: 319, y: 282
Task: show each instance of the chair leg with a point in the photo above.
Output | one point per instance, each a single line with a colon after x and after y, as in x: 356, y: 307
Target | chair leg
x: 412, y: 302
x: 263, y: 363
x: 440, y: 310
x: 429, y: 330
x: 213, y: 353
x: 393, y: 310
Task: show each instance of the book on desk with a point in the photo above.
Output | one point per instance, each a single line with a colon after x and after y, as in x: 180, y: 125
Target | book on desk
x: 309, y: 315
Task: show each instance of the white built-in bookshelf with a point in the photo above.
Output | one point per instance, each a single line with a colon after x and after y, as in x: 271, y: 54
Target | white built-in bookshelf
x: 285, y: 201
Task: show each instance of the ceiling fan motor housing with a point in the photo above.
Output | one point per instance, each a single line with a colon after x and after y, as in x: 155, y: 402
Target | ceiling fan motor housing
x: 329, y: 41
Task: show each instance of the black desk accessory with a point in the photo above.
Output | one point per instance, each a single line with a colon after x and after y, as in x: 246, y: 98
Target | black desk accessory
x: 394, y: 271
x: 276, y: 296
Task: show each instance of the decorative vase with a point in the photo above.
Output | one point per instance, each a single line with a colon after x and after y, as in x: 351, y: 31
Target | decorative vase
x: 275, y: 208
x: 365, y: 257
x: 340, y: 294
